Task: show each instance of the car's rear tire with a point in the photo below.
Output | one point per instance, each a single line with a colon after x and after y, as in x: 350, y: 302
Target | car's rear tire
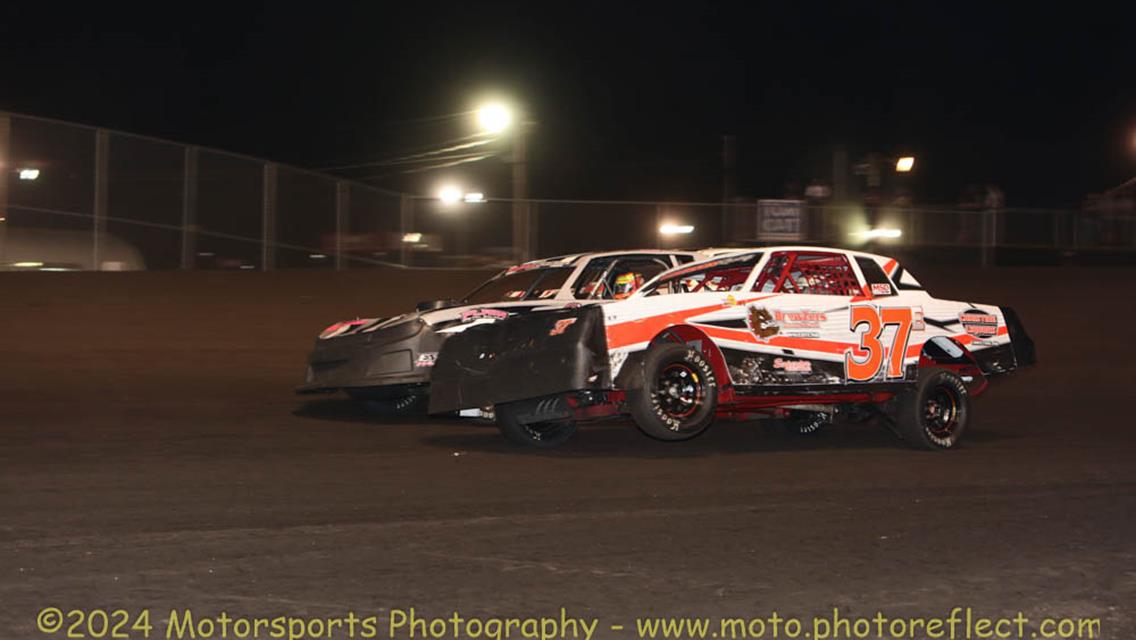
x: 540, y: 422
x: 933, y: 415
x: 679, y: 394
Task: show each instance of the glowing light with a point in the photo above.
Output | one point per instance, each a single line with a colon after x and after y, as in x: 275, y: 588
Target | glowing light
x: 905, y: 164
x: 317, y: 256
x: 670, y: 229
x: 27, y: 265
x: 450, y: 195
x: 880, y: 233
x: 412, y: 238
x: 29, y: 174
x: 494, y: 118
x: 474, y: 197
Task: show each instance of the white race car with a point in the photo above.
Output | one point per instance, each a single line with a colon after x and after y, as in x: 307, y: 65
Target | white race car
x: 801, y: 334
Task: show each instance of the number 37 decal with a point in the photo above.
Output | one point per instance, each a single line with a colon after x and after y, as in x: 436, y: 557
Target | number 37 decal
x: 863, y: 363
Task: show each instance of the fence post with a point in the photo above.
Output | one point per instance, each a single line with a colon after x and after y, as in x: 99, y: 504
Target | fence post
x: 99, y: 208
x: 405, y: 226
x: 189, y: 209
x: 534, y: 230
x: 342, y: 211
x: 268, y: 218
x: 984, y: 224
x: 522, y: 216
x: 5, y: 176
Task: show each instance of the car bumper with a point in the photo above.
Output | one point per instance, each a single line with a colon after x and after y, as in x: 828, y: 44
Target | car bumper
x: 399, y: 355
x: 538, y: 354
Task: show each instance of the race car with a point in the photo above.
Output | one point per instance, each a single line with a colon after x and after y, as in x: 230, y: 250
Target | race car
x: 799, y: 335
x: 387, y: 361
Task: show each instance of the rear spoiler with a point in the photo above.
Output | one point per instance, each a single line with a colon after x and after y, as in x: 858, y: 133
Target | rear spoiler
x: 1025, y: 353
x: 527, y: 356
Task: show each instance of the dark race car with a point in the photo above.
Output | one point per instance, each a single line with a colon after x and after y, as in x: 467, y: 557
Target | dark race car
x: 387, y: 361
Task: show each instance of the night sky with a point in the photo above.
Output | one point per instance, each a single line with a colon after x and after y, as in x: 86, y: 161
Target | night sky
x: 628, y: 101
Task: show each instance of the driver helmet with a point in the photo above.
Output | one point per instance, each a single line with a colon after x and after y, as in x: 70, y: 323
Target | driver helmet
x: 626, y: 284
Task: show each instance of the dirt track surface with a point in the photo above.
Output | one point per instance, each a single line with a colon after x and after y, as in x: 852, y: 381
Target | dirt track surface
x: 154, y: 456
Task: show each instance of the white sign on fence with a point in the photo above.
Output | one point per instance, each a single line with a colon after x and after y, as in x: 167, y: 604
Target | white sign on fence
x: 780, y: 219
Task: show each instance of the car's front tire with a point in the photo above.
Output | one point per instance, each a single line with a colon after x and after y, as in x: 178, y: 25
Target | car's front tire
x: 540, y: 422
x: 933, y: 415
x: 382, y: 402
x: 679, y: 394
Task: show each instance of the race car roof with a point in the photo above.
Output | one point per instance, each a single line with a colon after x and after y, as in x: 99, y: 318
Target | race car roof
x: 571, y: 259
x: 720, y: 254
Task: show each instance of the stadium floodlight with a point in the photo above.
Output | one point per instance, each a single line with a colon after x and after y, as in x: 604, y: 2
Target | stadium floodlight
x: 474, y: 197
x: 494, y: 117
x: 670, y: 229
x: 449, y: 194
x: 29, y: 174
x: 881, y: 233
x: 905, y: 164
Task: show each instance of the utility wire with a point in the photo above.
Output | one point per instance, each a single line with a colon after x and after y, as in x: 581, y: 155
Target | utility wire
x: 432, y: 156
x: 444, y: 165
x: 455, y: 144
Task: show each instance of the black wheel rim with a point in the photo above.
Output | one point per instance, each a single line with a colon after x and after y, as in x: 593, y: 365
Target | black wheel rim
x: 678, y: 390
x: 941, y: 412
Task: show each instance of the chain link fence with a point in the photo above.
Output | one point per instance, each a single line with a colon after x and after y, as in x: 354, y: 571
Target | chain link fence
x: 82, y: 198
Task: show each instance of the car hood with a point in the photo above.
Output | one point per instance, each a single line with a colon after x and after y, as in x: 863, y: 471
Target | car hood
x: 448, y: 320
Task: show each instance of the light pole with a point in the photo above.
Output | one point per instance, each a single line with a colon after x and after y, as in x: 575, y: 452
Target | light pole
x: 522, y: 213
x: 496, y: 118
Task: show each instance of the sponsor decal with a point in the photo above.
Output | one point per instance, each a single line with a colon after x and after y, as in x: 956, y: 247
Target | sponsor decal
x: 340, y: 328
x: 731, y: 301
x: 561, y: 326
x: 803, y: 323
x: 793, y: 366
x: 470, y: 315
x: 803, y: 319
x: 521, y: 267
x: 917, y: 321
x: 881, y: 289
x: 426, y: 359
x: 979, y: 323
x: 760, y: 321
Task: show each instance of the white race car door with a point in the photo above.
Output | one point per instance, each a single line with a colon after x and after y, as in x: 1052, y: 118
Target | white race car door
x: 809, y: 321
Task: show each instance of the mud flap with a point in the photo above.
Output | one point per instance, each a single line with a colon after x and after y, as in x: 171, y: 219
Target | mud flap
x: 528, y: 356
x: 1025, y: 353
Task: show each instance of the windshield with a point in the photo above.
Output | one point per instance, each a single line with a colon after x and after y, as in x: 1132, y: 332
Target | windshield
x: 527, y: 284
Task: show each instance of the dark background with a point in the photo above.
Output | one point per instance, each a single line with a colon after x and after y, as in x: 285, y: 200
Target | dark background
x: 630, y: 101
